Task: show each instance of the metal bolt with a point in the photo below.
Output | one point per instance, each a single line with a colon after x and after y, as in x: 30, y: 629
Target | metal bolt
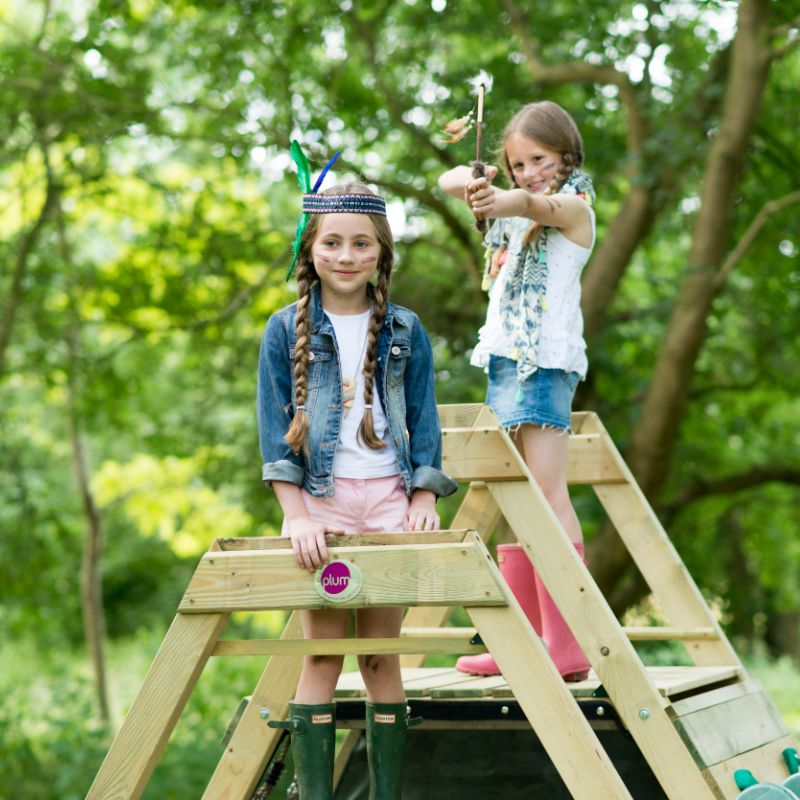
x: 604, y: 651
x: 601, y: 712
x: 504, y: 709
x: 264, y: 713
x: 644, y: 713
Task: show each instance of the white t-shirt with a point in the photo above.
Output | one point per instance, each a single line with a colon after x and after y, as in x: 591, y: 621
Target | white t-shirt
x: 352, y: 458
x: 561, y: 343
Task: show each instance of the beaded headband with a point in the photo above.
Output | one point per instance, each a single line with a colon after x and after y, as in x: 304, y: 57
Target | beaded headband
x: 325, y: 204
x: 344, y: 204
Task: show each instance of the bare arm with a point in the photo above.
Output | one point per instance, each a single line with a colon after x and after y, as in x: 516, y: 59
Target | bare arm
x: 565, y: 211
x: 454, y: 181
x: 308, y: 536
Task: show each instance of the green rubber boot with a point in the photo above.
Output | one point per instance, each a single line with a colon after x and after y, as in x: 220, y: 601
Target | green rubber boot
x: 386, y: 742
x: 313, y: 730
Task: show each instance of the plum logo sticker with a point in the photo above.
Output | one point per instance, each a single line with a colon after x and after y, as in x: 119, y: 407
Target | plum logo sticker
x: 338, y: 581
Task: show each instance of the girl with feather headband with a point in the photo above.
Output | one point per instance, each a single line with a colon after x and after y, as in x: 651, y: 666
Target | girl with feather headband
x: 541, y: 236
x: 350, y: 442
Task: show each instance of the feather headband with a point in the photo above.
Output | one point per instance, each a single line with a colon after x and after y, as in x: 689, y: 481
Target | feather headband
x: 314, y: 203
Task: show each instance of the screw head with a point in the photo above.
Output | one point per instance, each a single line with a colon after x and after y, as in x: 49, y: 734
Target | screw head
x: 504, y: 709
x: 604, y: 651
x: 601, y: 712
x: 264, y: 713
x: 644, y: 713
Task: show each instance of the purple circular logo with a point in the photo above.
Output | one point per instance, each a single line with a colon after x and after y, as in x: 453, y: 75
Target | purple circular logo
x: 338, y: 581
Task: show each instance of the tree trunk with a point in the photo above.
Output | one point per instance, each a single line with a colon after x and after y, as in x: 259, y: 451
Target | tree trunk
x: 655, y: 434
x: 91, y: 582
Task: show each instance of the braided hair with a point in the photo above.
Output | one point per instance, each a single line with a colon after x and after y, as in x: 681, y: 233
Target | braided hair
x: 549, y: 125
x: 379, y: 295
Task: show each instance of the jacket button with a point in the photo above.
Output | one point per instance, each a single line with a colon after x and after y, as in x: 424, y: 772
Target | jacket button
x: 310, y: 356
x: 395, y: 351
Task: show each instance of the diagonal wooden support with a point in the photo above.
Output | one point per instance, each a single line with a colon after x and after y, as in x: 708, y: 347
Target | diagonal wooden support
x: 253, y: 742
x: 612, y: 656
x: 156, y: 709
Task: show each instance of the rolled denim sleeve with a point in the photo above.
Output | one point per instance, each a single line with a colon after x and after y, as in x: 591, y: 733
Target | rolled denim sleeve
x: 274, y: 406
x: 422, y: 418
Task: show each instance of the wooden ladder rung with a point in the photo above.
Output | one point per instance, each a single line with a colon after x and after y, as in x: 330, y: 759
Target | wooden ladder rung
x: 634, y: 633
x: 432, y: 643
x: 667, y: 634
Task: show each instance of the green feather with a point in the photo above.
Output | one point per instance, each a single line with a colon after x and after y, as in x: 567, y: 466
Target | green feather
x: 303, y: 168
x: 302, y: 224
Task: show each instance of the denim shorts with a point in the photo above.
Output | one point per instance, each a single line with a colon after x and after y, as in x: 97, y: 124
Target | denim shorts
x: 546, y: 397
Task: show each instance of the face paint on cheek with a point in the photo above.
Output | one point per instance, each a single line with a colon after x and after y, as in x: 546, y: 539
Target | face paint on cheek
x: 367, y: 260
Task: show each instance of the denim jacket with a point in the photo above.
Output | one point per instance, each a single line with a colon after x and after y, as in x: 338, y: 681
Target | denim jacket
x: 403, y: 379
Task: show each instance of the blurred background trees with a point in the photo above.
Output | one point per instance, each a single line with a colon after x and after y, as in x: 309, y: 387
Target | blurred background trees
x: 148, y: 205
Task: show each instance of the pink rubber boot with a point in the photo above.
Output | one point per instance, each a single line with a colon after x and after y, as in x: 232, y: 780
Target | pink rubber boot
x: 567, y: 655
x: 518, y: 571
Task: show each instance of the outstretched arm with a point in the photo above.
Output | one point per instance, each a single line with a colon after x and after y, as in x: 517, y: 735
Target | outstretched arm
x: 454, y: 181
x: 566, y: 211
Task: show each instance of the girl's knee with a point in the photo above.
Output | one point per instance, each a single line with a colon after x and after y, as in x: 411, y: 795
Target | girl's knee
x: 375, y: 665
x: 327, y: 666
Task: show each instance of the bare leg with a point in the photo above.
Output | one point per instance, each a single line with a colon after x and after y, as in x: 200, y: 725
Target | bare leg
x: 381, y: 673
x: 320, y: 673
x: 545, y: 451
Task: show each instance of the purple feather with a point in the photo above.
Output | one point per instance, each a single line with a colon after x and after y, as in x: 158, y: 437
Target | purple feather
x: 324, y: 172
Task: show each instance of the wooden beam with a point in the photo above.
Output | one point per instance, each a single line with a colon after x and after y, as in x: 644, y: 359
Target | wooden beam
x: 612, y: 656
x: 407, y: 575
x: 158, y: 705
x: 336, y: 647
x: 253, y: 743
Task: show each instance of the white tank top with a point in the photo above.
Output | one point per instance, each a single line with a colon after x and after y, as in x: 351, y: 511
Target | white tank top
x: 561, y: 343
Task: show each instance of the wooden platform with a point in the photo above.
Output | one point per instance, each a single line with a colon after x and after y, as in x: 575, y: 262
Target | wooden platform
x: 673, y: 683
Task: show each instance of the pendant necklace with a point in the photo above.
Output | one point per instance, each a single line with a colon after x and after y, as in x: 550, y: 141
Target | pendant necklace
x: 349, y: 384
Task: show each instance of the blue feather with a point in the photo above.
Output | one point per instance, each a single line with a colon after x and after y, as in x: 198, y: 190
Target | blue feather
x: 325, y: 172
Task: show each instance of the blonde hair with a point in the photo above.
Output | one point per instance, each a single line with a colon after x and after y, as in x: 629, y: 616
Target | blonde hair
x: 306, y: 278
x: 550, y: 126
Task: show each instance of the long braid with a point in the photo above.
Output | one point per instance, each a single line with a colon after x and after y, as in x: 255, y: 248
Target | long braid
x: 296, y: 435
x: 366, y: 431
x: 566, y: 168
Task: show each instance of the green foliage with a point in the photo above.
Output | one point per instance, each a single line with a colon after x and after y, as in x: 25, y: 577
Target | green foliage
x: 162, y: 130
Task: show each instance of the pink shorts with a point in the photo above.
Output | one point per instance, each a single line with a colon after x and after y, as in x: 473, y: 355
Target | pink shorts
x: 360, y: 505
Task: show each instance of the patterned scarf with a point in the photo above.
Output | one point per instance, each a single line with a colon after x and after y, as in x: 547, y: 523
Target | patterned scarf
x: 523, y: 302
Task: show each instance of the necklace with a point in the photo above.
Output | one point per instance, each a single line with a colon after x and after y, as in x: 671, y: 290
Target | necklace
x: 349, y: 384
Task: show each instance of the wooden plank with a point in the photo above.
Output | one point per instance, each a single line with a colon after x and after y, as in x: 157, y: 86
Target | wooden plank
x: 480, y: 453
x: 158, y: 705
x: 470, y: 686
x: 348, y: 540
x: 668, y: 634
x: 426, y: 688
x: 253, y: 742
x: 351, y: 684
x: 764, y: 761
x: 634, y: 634
x: 638, y: 702
x: 588, y: 461
x: 659, y: 562
x: 689, y: 705
x: 432, y: 574
x: 477, y: 454
x: 722, y: 731
x: 459, y: 415
x: 560, y: 725
x: 329, y: 647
